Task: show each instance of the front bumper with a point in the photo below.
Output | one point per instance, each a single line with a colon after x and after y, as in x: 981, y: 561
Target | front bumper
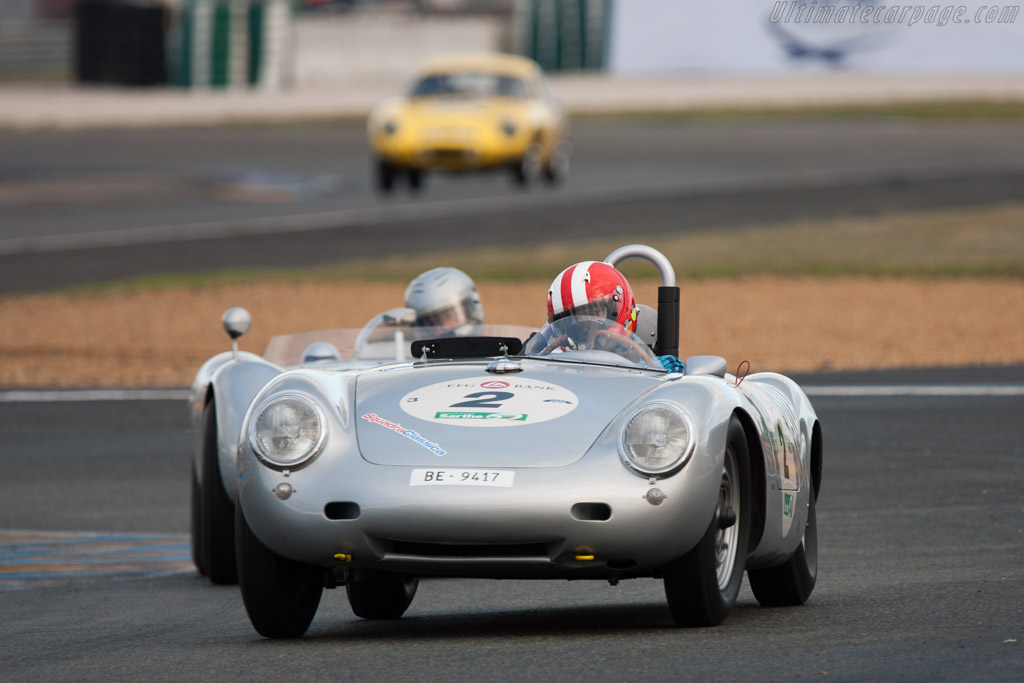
x: 451, y: 155
x: 591, y: 519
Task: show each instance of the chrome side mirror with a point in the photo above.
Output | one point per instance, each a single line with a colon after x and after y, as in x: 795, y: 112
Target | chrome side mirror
x: 236, y: 322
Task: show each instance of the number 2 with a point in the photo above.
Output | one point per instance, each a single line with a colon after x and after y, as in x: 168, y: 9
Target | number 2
x: 484, y: 399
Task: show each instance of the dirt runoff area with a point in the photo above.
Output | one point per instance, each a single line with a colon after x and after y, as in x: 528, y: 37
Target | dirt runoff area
x: 158, y: 337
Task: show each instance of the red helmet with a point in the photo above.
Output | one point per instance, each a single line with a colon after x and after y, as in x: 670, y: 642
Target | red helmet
x: 592, y: 288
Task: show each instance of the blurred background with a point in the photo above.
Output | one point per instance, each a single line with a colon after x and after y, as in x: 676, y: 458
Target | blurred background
x: 163, y: 160
x: 281, y: 43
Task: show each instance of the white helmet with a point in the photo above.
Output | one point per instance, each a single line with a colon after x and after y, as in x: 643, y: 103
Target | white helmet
x: 445, y: 297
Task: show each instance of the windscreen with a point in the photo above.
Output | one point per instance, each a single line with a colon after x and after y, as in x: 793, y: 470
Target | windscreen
x: 590, y: 339
x: 469, y: 83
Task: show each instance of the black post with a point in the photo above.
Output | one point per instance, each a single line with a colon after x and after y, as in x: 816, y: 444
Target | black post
x: 668, y: 321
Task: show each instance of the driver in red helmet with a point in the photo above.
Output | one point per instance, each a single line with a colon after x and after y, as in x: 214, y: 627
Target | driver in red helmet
x: 592, y: 288
x: 596, y: 288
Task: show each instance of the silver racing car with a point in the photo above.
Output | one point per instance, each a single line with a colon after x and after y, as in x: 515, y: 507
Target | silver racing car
x: 225, y: 385
x: 574, y: 455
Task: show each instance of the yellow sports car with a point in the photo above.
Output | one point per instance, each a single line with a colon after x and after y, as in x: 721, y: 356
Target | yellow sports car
x: 471, y: 113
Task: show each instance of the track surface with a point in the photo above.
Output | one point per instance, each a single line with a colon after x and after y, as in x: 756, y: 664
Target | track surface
x: 921, y: 513
x: 84, y: 207
x: 921, y: 522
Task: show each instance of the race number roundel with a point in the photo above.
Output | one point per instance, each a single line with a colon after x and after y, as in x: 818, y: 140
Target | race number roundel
x: 489, y: 402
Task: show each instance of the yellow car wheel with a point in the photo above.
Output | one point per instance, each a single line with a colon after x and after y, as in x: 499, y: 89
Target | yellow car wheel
x: 528, y: 169
x: 385, y: 176
x: 557, y: 168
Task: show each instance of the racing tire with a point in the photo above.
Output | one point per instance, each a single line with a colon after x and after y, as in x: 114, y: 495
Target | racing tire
x: 281, y: 596
x: 528, y: 168
x: 701, y: 587
x: 791, y: 583
x: 385, y: 596
x: 196, y: 527
x: 556, y: 169
x: 216, y: 512
x: 385, y: 177
x: 415, y: 180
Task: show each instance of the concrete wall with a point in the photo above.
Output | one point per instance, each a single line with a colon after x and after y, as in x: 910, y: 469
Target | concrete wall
x: 331, y: 49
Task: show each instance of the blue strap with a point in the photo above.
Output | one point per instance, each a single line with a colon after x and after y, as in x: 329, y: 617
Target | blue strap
x: 672, y: 364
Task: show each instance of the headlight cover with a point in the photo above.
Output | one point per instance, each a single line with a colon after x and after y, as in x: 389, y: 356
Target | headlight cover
x: 287, y: 430
x: 657, y: 440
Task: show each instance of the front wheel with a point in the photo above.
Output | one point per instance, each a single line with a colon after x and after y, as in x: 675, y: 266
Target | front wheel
x: 196, y: 524
x: 701, y: 587
x: 216, y: 510
x: 557, y: 168
x: 280, y: 595
x: 381, y: 597
x: 791, y: 583
x: 385, y: 173
x: 528, y: 168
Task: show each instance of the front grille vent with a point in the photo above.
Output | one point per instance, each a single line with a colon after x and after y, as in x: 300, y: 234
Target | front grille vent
x: 467, y: 550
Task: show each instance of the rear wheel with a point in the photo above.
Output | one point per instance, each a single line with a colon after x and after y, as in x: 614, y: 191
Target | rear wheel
x: 384, y: 596
x: 280, y: 595
x: 701, y: 587
x: 217, y: 512
x: 790, y: 583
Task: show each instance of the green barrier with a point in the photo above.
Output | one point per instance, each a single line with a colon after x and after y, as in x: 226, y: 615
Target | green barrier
x: 565, y: 35
x: 224, y: 43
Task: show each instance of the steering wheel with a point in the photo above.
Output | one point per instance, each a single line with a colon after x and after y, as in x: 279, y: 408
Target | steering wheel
x: 636, y: 351
x: 554, y: 344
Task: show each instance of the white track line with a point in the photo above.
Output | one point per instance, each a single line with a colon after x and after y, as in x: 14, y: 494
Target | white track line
x: 882, y: 390
x: 87, y: 395
x: 918, y: 390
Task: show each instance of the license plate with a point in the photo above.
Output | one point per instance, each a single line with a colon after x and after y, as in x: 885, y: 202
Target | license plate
x: 457, y: 477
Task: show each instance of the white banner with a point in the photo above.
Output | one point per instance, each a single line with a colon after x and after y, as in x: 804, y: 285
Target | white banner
x: 750, y: 36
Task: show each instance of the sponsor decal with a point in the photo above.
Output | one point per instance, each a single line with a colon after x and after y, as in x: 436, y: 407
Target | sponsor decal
x: 466, y: 415
x: 489, y: 402
x: 787, y: 504
x: 407, y: 433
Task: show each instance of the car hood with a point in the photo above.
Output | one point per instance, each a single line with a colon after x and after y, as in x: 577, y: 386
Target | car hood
x: 548, y: 415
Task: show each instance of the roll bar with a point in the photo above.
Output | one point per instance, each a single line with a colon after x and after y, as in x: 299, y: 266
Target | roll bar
x: 668, y: 294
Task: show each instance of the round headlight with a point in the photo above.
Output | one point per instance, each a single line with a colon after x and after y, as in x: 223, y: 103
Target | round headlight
x: 657, y: 439
x: 287, y: 431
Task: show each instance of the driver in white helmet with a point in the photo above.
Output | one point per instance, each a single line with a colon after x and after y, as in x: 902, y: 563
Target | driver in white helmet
x: 445, y: 297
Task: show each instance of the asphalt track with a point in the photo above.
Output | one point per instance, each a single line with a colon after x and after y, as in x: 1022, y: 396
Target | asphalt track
x: 922, y: 509
x: 921, y: 521
x: 81, y: 207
